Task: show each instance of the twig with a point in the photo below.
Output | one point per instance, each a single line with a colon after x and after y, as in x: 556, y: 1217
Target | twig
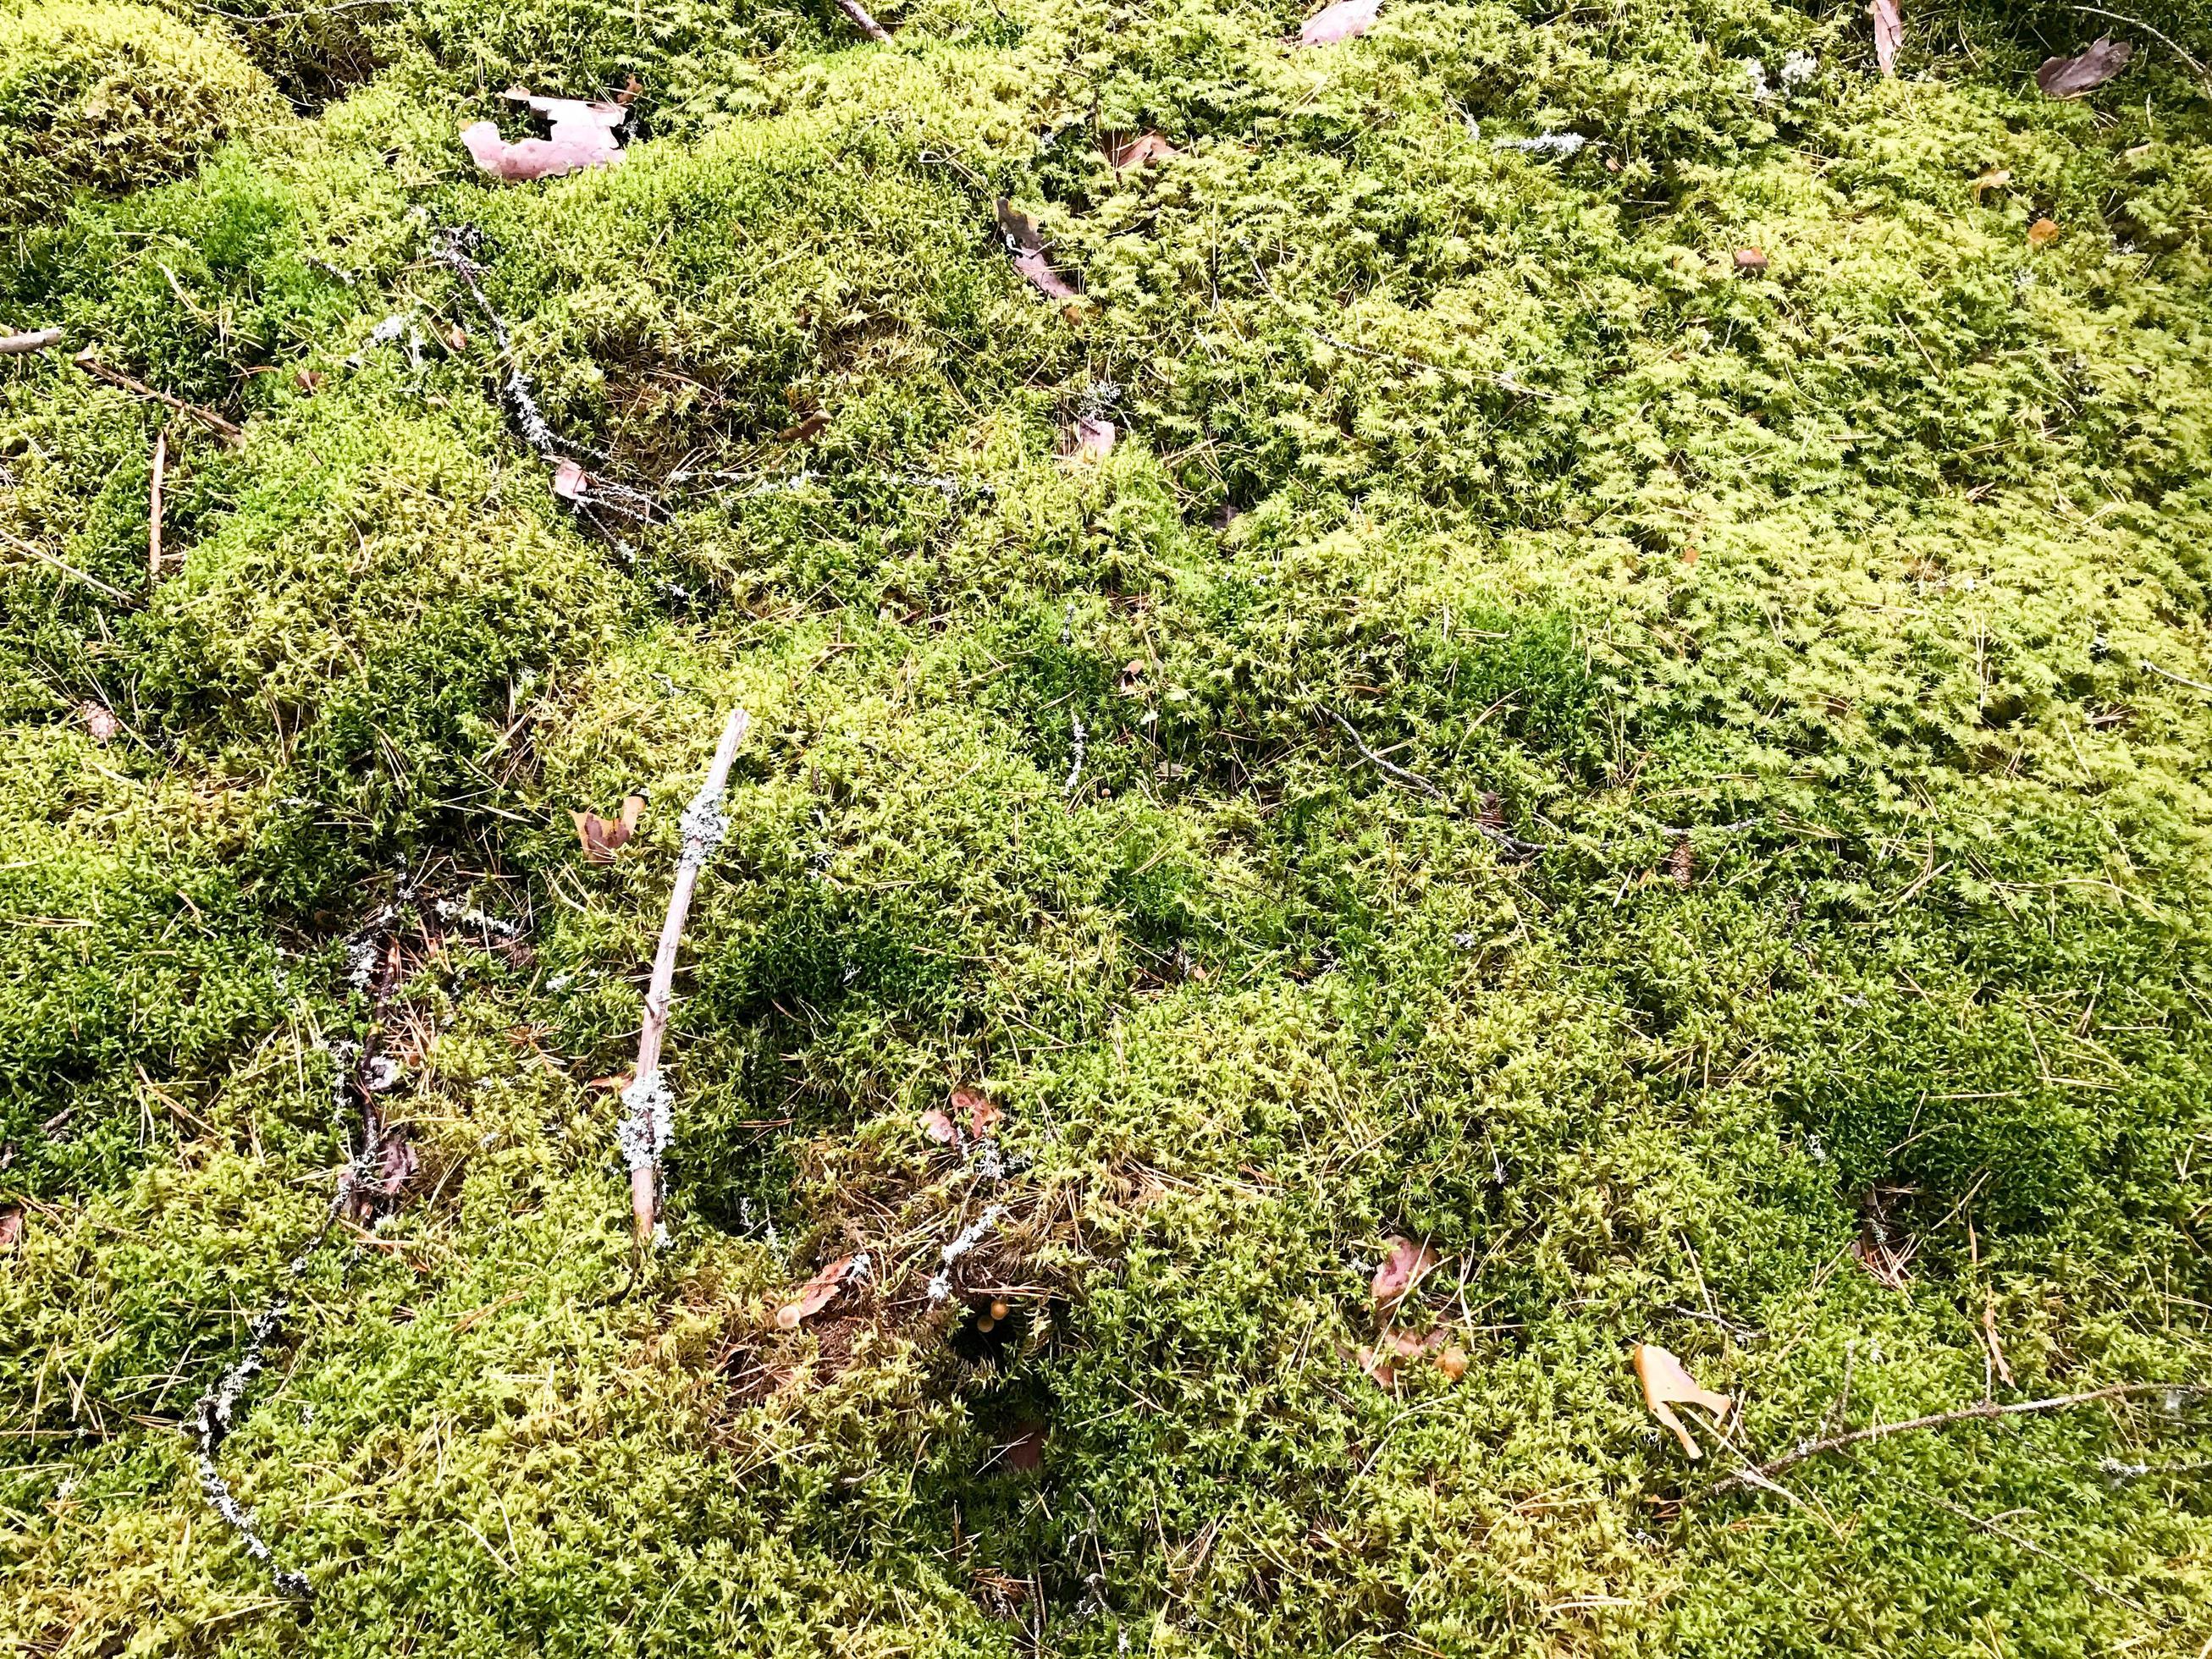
x: 2167, y: 673
x: 2137, y: 22
x: 1984, y: 1409
x: 2034, y: 1548
x: 1075, y: 769
x: 650, y: 1122
x: 1376, y: 759
x: 861, y: 20
x: 15, y: 345
x: 214, y: 422
x: 153, y: 506
x: 67, y: 569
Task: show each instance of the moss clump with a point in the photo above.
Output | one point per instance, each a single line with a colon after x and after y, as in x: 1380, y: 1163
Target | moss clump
x: 110, y: 99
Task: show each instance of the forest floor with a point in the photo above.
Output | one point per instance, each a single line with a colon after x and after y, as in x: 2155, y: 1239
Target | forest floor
x: 1385, y: 760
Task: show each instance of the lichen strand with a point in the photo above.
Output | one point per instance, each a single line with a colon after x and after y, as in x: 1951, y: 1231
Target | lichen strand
x: 1677, y: 780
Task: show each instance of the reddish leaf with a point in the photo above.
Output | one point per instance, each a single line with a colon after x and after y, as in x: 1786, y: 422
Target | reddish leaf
x: 569, y: 480
x: 1668, y: 1383
x: 1405, y: 1266
x: 1138, y: 151
x: 583, y: 137
x: 939, y: 1128
x: 814, y: 1295
x: 603, y: 838
x: 1344, y: 20
x: 983, y: 1114
x: 1039, y: 271
x: 396, y: 1164
x: 1888, y: 33
x: 1750, y: 260
x: 1087, y: 439
x: 11, y: 1227
x: 2087, y: 70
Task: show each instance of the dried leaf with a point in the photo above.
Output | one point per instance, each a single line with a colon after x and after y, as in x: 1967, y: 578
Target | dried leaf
x: 2043, y: 233
x: 2087, y: 70
x: 1405, y: 1266
x: 1344, y: 20
x: 804, y: 430
x: 937, y: 1127
x: 1452, y: 1362
x: 1086, y: 439
x: 1888, y: 33
x: 1991, y: 178
x: 1025, y: 1451
x: 983, y: 1114
x: 1750, y: 260
x: 583, y: 137
x: 570, y: 481
x: 602, y: 839
x: 99, y: 720
x: 397, y: 1164
x: 814, y: 1296
x: 1138, y: 151
x: 1021, y: 231
x: 1668, y: 1383
x: 1039, y: 271
x: 11, y: 1227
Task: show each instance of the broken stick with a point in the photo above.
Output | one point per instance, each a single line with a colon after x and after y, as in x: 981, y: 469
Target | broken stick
x: 153, y: 506
x: 15, y: 345
x: 865, y: 24
x: 650, y: 1120
x: 214, y: 422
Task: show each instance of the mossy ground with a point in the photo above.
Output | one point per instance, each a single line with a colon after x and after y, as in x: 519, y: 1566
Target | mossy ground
x: 1878, y: 580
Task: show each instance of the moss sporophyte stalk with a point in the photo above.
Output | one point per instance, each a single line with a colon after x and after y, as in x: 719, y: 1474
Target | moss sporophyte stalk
x: 1563, y: 646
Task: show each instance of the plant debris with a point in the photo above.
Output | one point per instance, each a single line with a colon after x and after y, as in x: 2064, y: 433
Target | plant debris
x: 1404, y: 1266
x: 1888, y: 33
x: 603, y: 838
x: 817, y: 1294
x: 583, y: 137
x: 1668, y: 1383
x: 1344, y: 20
x: 2087, y: 70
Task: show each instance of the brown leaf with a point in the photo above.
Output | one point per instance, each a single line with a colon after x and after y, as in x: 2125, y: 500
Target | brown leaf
x: 983, y: 1114
x: 1020, y: 231
x: 804, y: 430
x: 1038, y: 269
x: 397, y: 1164
x: 1405, y: 1266
x: 570, y: 481
x: 814, y: 1295
x: 307, y: 378
x: 1086, y: 439
x: 602, y: 839
x: 11, y: 1227
x: 1750, y: 260
x: 937, y: 1127
x: 2043, y: 233
x: 1344, y: 20
x: 1888, y: 33
x: 1668, y: 1383
x: 99, y: 720
x: 1991, y: 178
x: 1452, y: 1362
x: 1025, y: 1451
x: 616, y: 1082
x: 1138, y: 151
x: 2087, y: 70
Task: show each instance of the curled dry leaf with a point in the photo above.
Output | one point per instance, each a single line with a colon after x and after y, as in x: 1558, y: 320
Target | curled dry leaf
x: 98, y: 720
x: 1991, y: 178
x: 1888, y: 33
x: 583, y: 137
x: 814, y: 1295
x: 1086, y: 439
x: 980, y: 1111
x: 1344, y: 20
x: 1668, y: 1383
x: 1405, y: 1265
x: 2043, y: 233
x: 2087, y: 70
x: 602, y: 839
x: 803, y: 430
x: 938, y: 1125
x: 1138, y: 151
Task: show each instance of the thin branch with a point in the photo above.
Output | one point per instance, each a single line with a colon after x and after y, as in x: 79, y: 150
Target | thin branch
x: 1984, y: 1410
x: 2034, y: 1548
x: 15, y: 345
x: 861, y: 20
x: 650, y: 1122
x: 1376, y: 759
x: 67, y: 569
x: 2137, y: 22
x: 2167, y: 673
x: 214, y: 422
x: 153, y: 506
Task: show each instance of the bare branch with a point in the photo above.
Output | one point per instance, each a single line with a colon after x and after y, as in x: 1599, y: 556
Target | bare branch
x: 651, y: 1104
x: 15, y: 345
x: 861, y: 20
x: 214, y: 422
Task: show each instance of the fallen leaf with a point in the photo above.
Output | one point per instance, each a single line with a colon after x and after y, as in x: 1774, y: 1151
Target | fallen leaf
x: 1405, y: 1266
x: 1021, y: 231
x: 1039, y: 271
x: 1087, y: 439
x: 1750, y: 260
x: 2087, y: 70
x: 1888, y: 33
x: 1668, y: 1383
x: 306, y: 379
x: 617, y: 1081
x: 11, y: 1227
x: 583, y: 137
x: 99, y: 720
x: 1025, y: 1451
x: 570, y: 481
x: 1991, y: 178
x: 1452, y: 1362
x: 602, y: 839
x: 804, y: 430
x: 2043, y: 233
x: 937, y: 1127
x: 1138, y: 151
x: 397, y: 1164
x: 983, y: 1114
x: 813, y: 1295
x: 1493, y: 813
x: 1344, y: 20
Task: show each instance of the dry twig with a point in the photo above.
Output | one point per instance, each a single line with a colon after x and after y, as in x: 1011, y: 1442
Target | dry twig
x: 207, y: 417
x: 153, y: 505
x: 649, y: 1121
x: 66, y: 569
x: 15, y: 345
x: 861, y: 20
